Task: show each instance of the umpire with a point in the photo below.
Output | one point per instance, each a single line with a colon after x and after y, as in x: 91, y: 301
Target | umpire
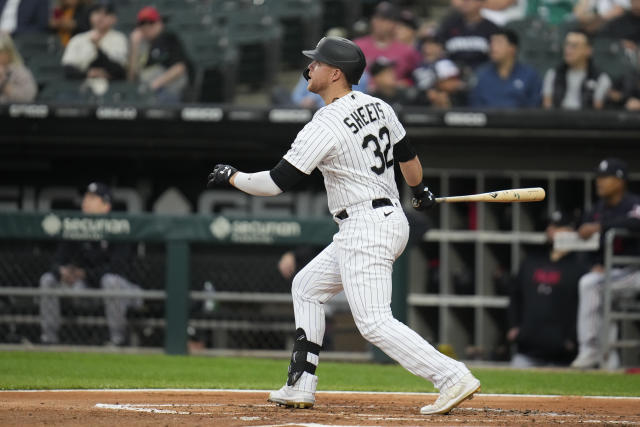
x: 89, y: 264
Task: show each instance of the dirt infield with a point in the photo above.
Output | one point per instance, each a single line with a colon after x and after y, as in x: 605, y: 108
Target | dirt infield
x: 147, y: 408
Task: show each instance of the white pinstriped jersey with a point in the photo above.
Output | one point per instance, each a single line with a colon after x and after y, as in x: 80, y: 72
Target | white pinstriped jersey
x: 351, y: 141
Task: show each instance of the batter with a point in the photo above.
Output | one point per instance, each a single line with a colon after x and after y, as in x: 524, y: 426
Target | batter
x: 354, y: 141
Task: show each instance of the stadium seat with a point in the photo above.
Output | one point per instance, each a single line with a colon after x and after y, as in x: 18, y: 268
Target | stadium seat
x: 301, y: 21
x: 215, y: 60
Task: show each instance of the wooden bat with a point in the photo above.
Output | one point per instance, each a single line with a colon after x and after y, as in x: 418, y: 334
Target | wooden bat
x: 535, y: 194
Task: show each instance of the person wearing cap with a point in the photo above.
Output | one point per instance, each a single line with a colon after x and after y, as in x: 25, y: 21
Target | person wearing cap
x: 89, y: 264
x: 465, y: 34
x: 616, y: 208
x: 543, y: 302
x: 382, y: 42
x: 505, y: 82
x: 158, y: 58
x: 100, y: 53
x: 385, y: 85
x: 440, y: 85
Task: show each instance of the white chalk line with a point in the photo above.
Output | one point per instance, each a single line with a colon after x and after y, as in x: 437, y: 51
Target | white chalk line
x: 222, y: 390
x: 152, y: 408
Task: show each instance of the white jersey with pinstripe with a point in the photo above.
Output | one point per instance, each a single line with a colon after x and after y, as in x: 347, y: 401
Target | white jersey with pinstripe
x: 351, y: 142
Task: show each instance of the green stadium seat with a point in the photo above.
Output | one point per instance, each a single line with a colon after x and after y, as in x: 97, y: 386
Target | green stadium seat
x: 302, y: 25
x: 70, y: 91
x: 215, y: 60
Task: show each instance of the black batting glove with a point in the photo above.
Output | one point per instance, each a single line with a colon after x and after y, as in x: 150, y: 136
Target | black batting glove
x: 221, y: 175
x: 422, y: 198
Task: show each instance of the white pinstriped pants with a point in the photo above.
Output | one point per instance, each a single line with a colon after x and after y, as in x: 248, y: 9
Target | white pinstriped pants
x: 360, y: 260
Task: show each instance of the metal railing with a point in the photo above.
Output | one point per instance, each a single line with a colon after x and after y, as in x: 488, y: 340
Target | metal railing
x: 610, y: 313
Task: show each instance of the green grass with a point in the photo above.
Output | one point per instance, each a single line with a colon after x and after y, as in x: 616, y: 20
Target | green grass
x: 46, y: 370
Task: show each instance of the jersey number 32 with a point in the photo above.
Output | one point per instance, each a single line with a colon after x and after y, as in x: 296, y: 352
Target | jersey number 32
x: 384, y: 157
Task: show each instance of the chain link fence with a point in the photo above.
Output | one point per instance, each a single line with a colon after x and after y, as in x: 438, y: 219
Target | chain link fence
x: 113, y: 292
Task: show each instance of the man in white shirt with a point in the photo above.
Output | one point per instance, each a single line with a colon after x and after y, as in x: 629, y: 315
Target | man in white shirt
x: 100, y: 52
x: 576, y: 84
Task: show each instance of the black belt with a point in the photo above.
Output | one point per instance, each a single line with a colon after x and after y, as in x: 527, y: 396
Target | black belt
x: 375, y: 204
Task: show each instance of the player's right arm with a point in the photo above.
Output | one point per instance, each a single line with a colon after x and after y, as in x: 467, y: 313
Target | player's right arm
x: 311, y: 146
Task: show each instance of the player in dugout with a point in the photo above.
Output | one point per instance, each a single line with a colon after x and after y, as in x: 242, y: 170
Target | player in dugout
x: 354, y: 140
x: 616, y: 208
x: 80, y: 265
x: 544, y: 302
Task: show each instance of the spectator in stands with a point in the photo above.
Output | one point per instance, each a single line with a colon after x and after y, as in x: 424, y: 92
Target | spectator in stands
x: 382, y: 42
x: 24, y: 16
x: 407, y: 28
x: 576, y: 83
x: 385, y: 85
x: 158, y: 58
x: 626, y: 26
x: 505, y: 82
x: 87, y: 264
x: 593, y: 14
x: 100, y: 53
x: 440, y: 85
x: 70, y: 17
x: 465, y: 34
x: 16, y: 81
x: 616, y: 208
x: 544, y: 302
x: 501, y: 12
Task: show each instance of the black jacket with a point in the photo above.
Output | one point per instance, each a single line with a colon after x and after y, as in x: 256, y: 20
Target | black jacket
x: 97, y: 258
x: 587, y: 88
x: 626, y: 215
x: 544, y: 304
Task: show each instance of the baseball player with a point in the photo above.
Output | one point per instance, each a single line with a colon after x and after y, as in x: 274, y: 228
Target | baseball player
x: 354, y: 140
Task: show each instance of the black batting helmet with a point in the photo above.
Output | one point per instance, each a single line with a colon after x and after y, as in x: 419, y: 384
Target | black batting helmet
x: 340, y: 53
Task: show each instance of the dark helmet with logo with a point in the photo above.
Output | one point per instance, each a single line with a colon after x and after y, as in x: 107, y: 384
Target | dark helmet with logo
x: 340, y: 53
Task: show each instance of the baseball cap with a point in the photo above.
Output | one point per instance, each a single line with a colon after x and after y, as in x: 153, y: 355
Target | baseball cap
x: 380, y: 64
x: 612, y: 166
x: 407, y: 18
x: 446, y: 69
x: 107, y: 5
x: 148, y: 15
x: 386, y: 10
x: 100, y: 189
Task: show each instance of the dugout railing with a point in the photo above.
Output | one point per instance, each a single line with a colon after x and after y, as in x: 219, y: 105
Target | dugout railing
x: 620, y: 329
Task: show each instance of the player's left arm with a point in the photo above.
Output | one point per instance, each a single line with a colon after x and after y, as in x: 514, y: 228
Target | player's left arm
x: 405, y: 155
x: 411, y: 169
x: 265, y: 183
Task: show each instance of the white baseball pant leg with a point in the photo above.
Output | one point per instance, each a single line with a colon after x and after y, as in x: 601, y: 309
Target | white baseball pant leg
x: 361, y: 259
x: 590, y: 299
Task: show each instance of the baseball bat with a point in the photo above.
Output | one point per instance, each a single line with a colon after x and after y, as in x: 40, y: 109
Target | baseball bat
x: 534, y: 194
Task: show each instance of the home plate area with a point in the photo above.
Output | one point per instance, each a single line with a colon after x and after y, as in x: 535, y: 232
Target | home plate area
x: 236, y: 408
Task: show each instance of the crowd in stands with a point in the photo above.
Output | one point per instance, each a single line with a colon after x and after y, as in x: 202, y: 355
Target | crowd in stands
x: 569, y: 54
x: 473, y: 56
